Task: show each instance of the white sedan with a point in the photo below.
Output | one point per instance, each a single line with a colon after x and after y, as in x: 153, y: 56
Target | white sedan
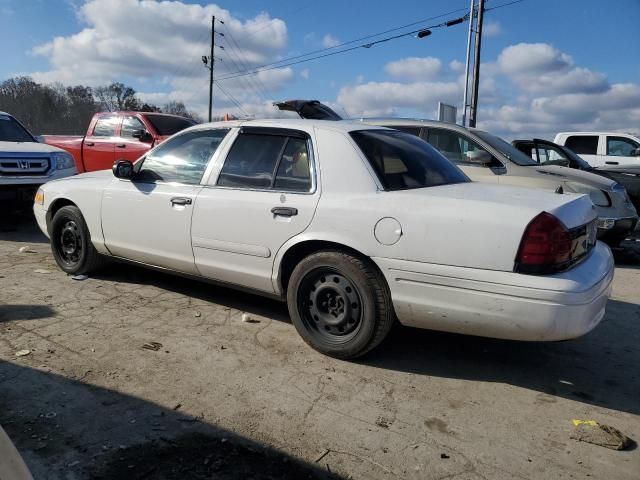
x: 354, y: 226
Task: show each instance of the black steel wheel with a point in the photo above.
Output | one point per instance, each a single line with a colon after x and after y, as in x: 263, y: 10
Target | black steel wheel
x: 71, y: 242
x: 339, y: 303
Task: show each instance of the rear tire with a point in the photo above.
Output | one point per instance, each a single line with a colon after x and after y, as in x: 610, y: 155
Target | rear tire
x: 71, y: 243
x: 340, y: 304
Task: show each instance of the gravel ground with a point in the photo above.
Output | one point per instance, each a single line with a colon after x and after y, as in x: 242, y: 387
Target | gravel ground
x: 216, y: 397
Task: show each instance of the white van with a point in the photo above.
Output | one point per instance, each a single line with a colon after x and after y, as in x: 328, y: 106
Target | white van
x: 602, y: 148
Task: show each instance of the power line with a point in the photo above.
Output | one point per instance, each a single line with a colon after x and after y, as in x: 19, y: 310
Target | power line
x: 274, y: 65
x: 231, y: 98
x: 350, y: 42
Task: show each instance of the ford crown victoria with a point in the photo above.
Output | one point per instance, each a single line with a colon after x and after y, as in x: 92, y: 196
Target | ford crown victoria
x: 354, y: 226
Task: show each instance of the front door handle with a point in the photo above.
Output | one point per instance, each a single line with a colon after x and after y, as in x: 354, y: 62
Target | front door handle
x: 284, y: 211
x: 89, y: 144
x: 121, y: 145
x: 181, y: 201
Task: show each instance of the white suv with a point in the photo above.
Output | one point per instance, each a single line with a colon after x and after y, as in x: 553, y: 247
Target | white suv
x: 602, y: 148
x: 25, y: 164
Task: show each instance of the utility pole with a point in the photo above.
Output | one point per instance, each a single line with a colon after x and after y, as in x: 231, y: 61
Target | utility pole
x: 212, y: 60
x: 466, y: 65
x: 473, y: 113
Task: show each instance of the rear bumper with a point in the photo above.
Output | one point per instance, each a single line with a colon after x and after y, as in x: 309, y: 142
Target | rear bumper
x: 502, y: 304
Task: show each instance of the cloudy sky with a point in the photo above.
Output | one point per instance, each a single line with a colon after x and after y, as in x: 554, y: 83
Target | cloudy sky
x: 547, y: 65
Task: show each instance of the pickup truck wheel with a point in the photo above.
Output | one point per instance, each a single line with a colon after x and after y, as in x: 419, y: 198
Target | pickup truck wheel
x: 71, y: 243
x: 339, y: 304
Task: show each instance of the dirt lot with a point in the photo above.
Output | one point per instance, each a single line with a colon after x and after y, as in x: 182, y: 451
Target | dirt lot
x: 223, y: 398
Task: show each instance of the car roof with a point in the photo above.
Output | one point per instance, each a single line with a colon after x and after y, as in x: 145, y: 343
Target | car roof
x: 414, y: 122
x: 597, y: 133
x: 293, y: 123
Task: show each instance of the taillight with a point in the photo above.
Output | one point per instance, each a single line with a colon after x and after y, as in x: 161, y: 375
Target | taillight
x: 545, y: 246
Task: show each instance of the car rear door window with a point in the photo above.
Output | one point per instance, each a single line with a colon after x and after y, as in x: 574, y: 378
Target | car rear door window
x: 620, y: 146
x: 403, y: 161
x: 583, y: 144
x: 182, y: 159
x: 106, y: 126
x: 453, y: 145
x: 265, y: 161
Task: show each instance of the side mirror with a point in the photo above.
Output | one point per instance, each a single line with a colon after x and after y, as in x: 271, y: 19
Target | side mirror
x: 123, y: 169
x: 481, y: 157
x: 636, y: 152
x: 142, y: 135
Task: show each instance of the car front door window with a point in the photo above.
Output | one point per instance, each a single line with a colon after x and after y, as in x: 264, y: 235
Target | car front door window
x: 183, y: 159
x: 620, y: 146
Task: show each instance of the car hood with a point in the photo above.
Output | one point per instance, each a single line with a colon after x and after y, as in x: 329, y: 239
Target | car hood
x: 573, y: 175
x: 27, y: 147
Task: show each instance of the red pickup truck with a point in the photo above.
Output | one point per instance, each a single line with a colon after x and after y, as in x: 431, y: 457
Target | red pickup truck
x: 115, y: 136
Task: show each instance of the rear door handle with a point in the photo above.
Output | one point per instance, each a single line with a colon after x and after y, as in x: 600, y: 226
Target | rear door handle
x: 284, y: 211
x: 89, y: 144
x: 612, y: 163
x: 181, y: 201
x: 121, y: 145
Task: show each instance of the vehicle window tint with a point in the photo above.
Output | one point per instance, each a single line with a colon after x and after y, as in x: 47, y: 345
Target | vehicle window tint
x: 453, y: 145
x: 294, y: 173
x: 129, y: 126
x: 410, y: 130
x: 620, y: 146
x: 550, y: 155
x: 105, y: 127
x: 12, y: 131
x: 182, y: 159
x: 168, y: 124
x: 583, y: 144
x: 403, y: 161
x: 252, y: 161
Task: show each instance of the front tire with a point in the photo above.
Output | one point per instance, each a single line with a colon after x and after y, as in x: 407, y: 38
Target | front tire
x: 71, y: 242
x: 340, y: 304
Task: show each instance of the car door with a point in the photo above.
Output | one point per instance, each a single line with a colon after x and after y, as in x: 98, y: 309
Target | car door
x: 587, y: 147
x: 264, y: 193
x: 134, y: 140
x: 620, y: 150
x: 98, y: 148
x: 148, y: 219
x: 457, y: 148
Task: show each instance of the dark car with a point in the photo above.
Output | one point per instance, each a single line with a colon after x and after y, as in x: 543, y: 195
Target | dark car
x: 548, y: 153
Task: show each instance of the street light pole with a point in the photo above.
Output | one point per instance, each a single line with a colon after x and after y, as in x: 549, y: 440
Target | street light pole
x: 212, y: 60
x: 473, y: 113
x: 466, y: 65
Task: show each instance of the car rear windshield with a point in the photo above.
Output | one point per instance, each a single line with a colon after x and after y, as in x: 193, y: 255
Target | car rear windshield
x: 12, y: 131
x: 168, y: 125
x: 403, y: 161
x: 508, y: 150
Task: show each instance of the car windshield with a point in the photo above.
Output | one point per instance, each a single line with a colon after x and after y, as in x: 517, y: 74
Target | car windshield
x: 508, y: 150
x: 581, y: 162
x: 403, y: 161
x: 12, y: 131
x: 168, y: 124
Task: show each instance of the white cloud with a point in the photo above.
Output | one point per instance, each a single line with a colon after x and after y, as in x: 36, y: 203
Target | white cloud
x: 456, y: 66
x: 526, y: 58
x: 163, y: 42
x: 329, y: 41
x: 387, y: 98
x: 414, y: 68
x: 492, y: 29
x: 305, y: 74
